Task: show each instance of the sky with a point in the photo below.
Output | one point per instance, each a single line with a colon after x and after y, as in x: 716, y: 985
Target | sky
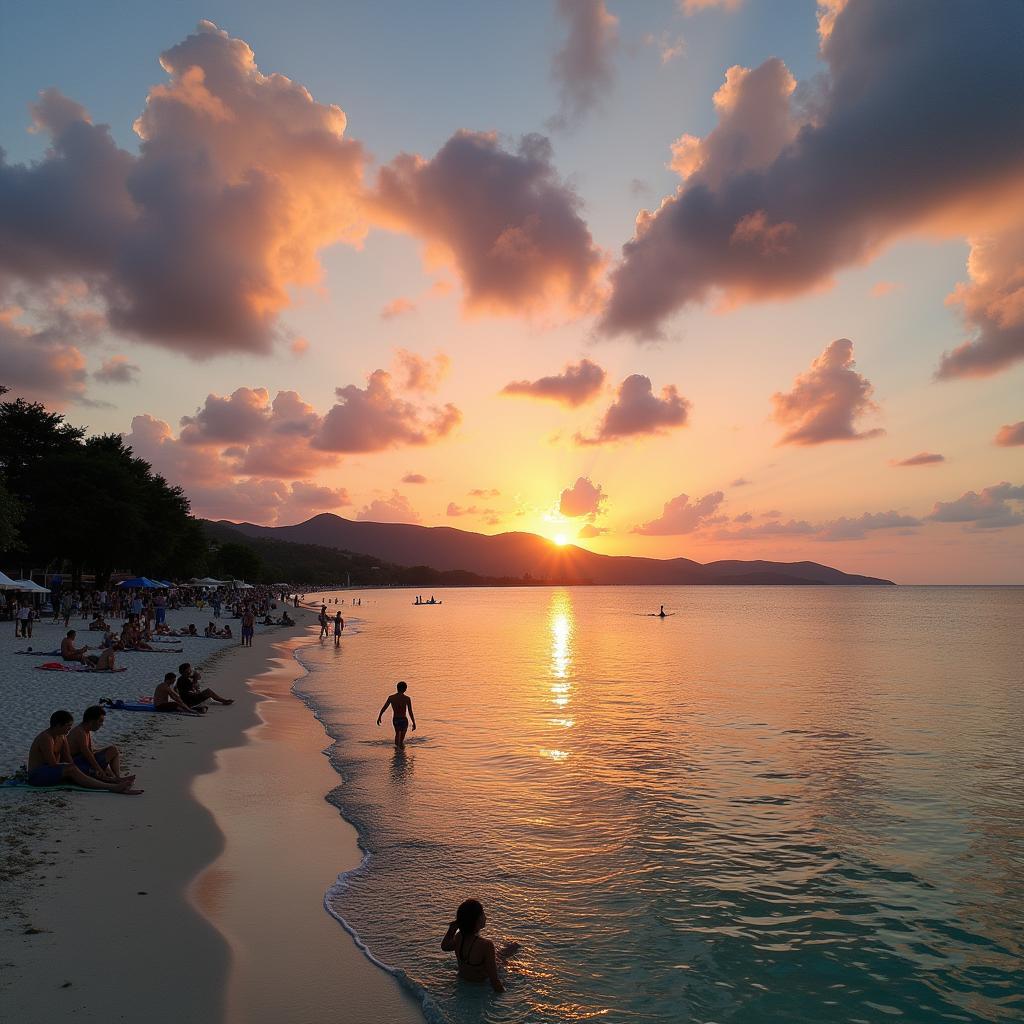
x: 702, y: 278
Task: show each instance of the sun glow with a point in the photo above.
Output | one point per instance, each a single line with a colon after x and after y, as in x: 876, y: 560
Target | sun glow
x: 560, y: 539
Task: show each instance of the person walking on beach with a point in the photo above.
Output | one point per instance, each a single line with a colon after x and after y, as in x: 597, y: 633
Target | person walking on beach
x: 401, y: 710
x: 50, y: 763
x: 248, y: 626
x: 476, y: 956
x: 339, y: 625
x: 324, y: 621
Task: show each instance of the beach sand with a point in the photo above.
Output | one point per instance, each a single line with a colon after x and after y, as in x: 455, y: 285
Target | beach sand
x: 98, y: 917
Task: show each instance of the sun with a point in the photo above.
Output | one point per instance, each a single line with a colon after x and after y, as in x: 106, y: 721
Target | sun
x: 560, y: 539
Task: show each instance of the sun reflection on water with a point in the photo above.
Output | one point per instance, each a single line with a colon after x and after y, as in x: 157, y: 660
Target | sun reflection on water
x: 560, y: 621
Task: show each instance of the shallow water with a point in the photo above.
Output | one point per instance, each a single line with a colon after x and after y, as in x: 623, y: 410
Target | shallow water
x: 779, y: 804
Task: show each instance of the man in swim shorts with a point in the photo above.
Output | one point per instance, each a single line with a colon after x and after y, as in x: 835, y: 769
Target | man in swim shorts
x: 50, y: 763
x: 165, y: 698
x: 401, y: 710
x: 102, y: 764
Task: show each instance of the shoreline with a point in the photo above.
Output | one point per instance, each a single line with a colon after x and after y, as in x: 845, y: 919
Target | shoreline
x: 275, y: 921
x: 98, y: 922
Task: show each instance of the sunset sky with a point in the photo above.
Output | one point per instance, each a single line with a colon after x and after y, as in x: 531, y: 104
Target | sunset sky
x: 712, y: 278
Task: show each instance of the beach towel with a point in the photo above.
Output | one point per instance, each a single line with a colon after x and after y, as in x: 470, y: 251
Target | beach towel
x: 40, y: 654
x: 17, y: 783
x: 166, y: 650
x: 58, y: 666
x: 140, y: 705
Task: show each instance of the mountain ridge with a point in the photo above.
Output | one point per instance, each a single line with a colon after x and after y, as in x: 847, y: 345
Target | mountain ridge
x: 520, y: 555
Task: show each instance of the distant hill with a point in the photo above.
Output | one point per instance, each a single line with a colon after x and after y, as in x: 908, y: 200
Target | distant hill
x: 519, y: 555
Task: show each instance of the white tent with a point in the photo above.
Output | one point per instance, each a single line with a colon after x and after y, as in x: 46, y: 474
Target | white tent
x: 209, y: 581
x: 242, y: 586
x: 27, y: 586
x: 6, y: 583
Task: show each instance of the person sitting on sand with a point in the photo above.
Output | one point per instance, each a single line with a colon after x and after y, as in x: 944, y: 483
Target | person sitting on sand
x: 50, y: 762
x: 286, y: 619
x: 401, y: 706
x: 192, y: 631
x: 102, y: 764
x: 69, y: 652
x: 188, y: 688
x: 476, y: 956
x: 165, y: 698
x: 98, y: 625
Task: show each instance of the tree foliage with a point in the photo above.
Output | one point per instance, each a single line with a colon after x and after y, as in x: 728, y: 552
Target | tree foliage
x: 89, y: 501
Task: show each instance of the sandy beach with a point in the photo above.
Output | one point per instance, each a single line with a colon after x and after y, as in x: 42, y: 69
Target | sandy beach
x: 118, y: 908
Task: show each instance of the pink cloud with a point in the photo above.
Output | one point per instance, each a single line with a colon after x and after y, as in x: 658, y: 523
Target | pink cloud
x: 37, y: 366
x: 882, y: 288
x: 575, y: 385
x: 193, y: 243
x: 417, y: 373
x: 582, y: 499
x: 823, y: 159
x: 922, y: 459
x: 118, y: 370
x: 583, y: 68
x: 680, y: 515
x: 504, y: 220
x: 695, y: 6
x: 414, y: 478
x: 637, y: 411
x: 992, y: 307
x: 589, y: 531
x: 470, y: 510
x: 374, y: 418
x: 397, y: 307
x: 484, y: 492
x: 994, y: 508
x: 395, y: 509
x: 827, y: 401
x: 1010, y: 435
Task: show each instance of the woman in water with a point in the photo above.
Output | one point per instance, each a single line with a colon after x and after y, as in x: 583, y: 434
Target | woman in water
x: 476, y: 956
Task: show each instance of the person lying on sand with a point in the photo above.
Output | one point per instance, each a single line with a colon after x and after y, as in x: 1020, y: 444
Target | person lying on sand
x: 401, y: 706
x: 104, y: 764
x: 286, y: 619
x: 69, y: 652
x: 476, y: 956
x: 50, y: 762
x: 165, y: 698
x: 188, y: 688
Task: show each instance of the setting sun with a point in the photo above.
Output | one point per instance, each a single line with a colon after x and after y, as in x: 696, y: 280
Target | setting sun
x: 561, y: 539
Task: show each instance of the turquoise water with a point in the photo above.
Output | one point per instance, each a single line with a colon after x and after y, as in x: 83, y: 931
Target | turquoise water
x: 776, y: 805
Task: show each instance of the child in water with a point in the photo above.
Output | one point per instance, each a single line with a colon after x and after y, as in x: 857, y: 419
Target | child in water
x: 476, y: 956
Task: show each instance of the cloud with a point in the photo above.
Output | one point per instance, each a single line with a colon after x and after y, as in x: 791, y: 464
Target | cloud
x: 35, y: 365
x: 373, y: 418
x: 397, y: 307
x: 483, y: 492
x: 582, y: 499
x: 744, y: 517
x: 992, y: 509
x: 504, y: 220
x: 118, y: 370
x: 588, y: 531
x: 240, y: 417
x: 194, y: 242
x: 680, y: 515
x: 739, y: 482
x: 396, y: 509
x: 694, y: 6
x: 882, y: 288
x: 669, y: 46
x: 471, y: 510
x: 414, y: 478
x: 922, y: 459
x: 415, y: 373
x: 637, y: 411
x: 992, y: 307
x: 792, y: 528
x: 583, y: 68
x: 213, y: 484
x: 845, y: 528
x: 299, y: 346
x: 1010, y: 435
x: 575, y: 385
x: 895, y: 137
x: 827, y: 401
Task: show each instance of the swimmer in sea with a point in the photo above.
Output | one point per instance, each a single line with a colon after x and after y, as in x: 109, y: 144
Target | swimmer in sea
x: 476, y: 956
x: 401, y: 710
x: 661, y: 614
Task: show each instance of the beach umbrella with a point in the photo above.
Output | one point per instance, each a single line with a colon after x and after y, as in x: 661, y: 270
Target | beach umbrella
x: 139, y: 583
x: 209, y: 581
x: 6, y: 583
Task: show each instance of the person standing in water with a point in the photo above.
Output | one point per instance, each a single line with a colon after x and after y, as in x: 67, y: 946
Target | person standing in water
x: 476, y: 956
x: 339, y: 625
x: 401, y: 710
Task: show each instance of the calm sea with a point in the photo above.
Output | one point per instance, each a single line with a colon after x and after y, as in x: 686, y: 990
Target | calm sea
x: 778, y: 804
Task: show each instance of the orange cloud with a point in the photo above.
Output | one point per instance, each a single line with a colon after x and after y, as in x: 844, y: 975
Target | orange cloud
x: 826, y: 400
x: 637, y: 411
x: 1010, y: 435
x: 575, y: 385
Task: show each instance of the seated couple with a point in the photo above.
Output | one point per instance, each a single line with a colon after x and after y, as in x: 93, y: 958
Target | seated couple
x: 62, y: 755
x: 213, y: 633
x: 182, y: 694
x: 102, y: 662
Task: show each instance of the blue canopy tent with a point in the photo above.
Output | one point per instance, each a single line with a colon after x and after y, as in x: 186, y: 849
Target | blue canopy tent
x: 140, y: 583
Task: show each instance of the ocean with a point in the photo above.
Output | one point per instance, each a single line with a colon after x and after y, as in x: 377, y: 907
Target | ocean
x: 775, y: 804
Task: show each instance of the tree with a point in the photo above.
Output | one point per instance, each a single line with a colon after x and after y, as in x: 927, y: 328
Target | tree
x: 10, y: 517
x: 238, y: 561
